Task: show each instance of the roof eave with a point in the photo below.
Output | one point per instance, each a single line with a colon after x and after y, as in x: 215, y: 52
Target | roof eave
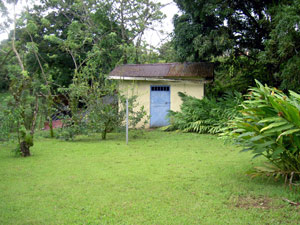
x: 196, y: 80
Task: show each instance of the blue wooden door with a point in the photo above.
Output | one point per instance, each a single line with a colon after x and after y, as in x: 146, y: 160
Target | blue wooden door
x: 159, y: 105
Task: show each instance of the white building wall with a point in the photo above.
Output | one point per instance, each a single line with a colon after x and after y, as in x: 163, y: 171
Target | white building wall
x: 142, y: 90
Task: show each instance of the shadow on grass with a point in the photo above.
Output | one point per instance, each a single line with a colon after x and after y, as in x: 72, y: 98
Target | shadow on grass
x: 114, y: 136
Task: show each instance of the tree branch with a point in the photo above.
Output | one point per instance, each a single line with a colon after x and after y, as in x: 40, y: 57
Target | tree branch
x: 7, y: 54
x: 14, y: 38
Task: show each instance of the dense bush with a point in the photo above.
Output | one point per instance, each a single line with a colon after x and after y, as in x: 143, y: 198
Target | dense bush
x: 269, y: 126
x: 207, y: 115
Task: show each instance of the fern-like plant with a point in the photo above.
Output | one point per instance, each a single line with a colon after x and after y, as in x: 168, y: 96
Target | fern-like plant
x: 205, y: 116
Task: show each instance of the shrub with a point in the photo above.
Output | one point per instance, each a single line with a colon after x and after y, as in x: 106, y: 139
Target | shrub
x: 207, y: 115
x: 269, y: 126
x: 70, y: 130
x: 102, y: 115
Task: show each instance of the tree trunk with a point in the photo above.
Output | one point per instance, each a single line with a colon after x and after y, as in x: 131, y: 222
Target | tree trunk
x: 103, y: 134
x: 24, y: 147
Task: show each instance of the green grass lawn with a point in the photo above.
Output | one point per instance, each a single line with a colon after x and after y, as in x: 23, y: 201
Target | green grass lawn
x: 159, y: 178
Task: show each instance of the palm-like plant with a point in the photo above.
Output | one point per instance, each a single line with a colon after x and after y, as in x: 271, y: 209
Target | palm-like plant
x: 269, y: 126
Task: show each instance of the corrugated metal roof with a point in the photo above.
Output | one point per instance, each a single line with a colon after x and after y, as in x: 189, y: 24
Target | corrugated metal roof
x: 166, y: 70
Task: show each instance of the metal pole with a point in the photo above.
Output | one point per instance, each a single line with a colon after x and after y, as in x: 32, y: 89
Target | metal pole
x: 126, y: 121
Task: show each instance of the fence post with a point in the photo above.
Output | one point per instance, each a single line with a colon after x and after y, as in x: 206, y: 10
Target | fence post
x: 127, y: 121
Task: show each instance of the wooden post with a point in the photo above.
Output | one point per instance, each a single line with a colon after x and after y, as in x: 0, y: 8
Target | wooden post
x: 126, y: 121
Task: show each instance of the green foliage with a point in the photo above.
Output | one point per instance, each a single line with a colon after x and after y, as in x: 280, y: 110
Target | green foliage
x: 101, y: 114
x: 17, y: 150
x: 8, y: 65
x: 23, y: 111
x: 109, y: 112
x: 202, y: 33
x: 95, y: 105
x: 136, y: 114
x: 246, y: 40
x: 7, y: 119
x: 269, y: 126
x: 167, y: 52
x: 27, y: 137
x: 207, y: 115
x: 68, y: 32
x: 281, y: 53
x: 70, y: 130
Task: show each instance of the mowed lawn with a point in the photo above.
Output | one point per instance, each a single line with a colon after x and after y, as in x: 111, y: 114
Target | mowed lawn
x: 159, y: 178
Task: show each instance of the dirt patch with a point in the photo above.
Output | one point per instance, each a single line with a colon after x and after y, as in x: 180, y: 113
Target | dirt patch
x: 247, y: 202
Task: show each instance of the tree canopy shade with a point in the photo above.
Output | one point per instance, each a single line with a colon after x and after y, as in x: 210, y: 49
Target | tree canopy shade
x: 236, y: 34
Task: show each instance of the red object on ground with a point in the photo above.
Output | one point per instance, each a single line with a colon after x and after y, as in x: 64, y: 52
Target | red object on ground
x: 55, y: 124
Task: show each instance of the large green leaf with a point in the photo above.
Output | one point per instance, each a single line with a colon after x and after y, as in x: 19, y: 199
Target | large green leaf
x: 265, y: 144
x: 278, y: 150
x: 287, y: 133
x: 280, y: 129
x: 271, y: 119
x: 272, y: 125
x: 295, y: 95
x: 247, y: 134
x: 259, y: 137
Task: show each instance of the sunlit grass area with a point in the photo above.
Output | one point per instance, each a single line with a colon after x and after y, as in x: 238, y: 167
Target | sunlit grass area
x: 159, y: 178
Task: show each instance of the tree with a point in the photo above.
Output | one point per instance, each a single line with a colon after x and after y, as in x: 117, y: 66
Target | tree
x: 91, y: 36
x: 115, y: 27
x: 117, y: 33
x: 229, y: 33
x: 26, y: 86
x: 96, y: 106
x: 219, y: 26
x: 59, y: 20
x: 55, y: 44
x: 25, y: 98
x: 167, y: 52
x: 134, y: 17
x: 106, y: 110
x: 281, y: 55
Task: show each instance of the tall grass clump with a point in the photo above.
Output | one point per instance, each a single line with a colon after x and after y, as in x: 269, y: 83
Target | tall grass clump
x: 207, y: 115
x: 269, y: 126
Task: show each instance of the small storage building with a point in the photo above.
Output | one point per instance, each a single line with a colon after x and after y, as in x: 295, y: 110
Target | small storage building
x: 157, y: 85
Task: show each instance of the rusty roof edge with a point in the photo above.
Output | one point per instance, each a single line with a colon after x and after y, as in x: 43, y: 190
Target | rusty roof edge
x: 187, y: 69
x: 127, y: 78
